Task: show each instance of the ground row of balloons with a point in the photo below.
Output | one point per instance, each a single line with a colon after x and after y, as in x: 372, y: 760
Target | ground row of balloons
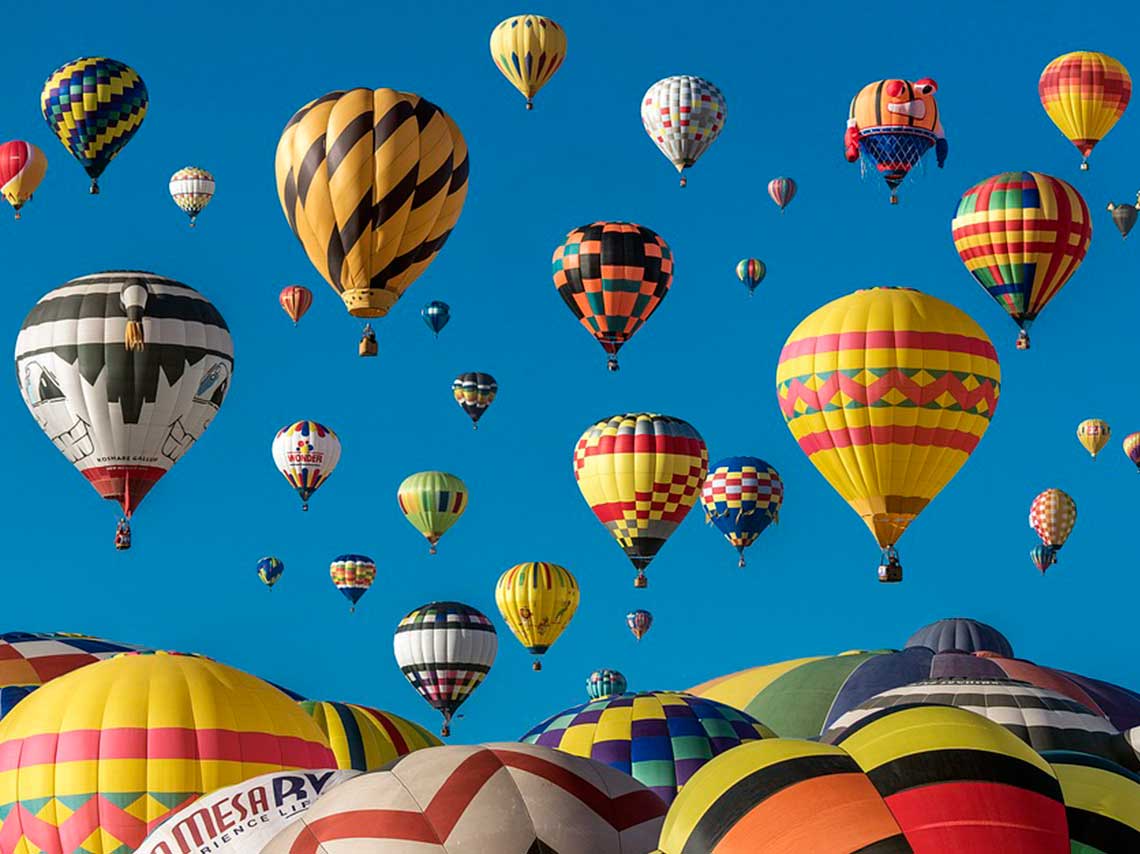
x: 884, y: 748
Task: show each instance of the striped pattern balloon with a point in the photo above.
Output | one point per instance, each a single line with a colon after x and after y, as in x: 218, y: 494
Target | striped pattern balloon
x: 1131, y: 447
x: 683, y: 115
x: 660, y: 738
x: 481, y: 799
x: 782, y: 191
x: 1085, y: 93
x: 528, y: 49
x: 474, y: 392
x: 306, y: 453
x: 1093, y: 434
x: 436, y: 315
x: 1022, y: 235
x: 751, y: 271
x: 639, y: 622
x: 640, y: 473
x: 432, y: 501
x: 95, y: 760
x: 888, y: 391
x: 371, y: 183
x: 295, y: 300
x: 961, y: 634
x: 742, y: 496
x: 612, y: 276
x: 94, y: 105
x: 1102, y: 803
x: 192, y: 188
x: 352, y: 575
x: 22, y: 168
x: 1052, y: 515
x: 537, y: 601
x: 366, y: 739
x: 605, y: 683
x: 270, y: 570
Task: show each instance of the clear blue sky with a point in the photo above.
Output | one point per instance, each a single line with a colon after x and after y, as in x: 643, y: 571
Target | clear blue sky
x: 223, y: 80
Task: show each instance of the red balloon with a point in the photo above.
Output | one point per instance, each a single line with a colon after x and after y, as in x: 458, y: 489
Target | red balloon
x: 295, y: 299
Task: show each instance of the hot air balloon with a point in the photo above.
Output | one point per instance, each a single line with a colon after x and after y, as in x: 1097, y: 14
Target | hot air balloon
x: 367, y: 739
x: 474, y: 392
x: 1052, y: 515
x: 1131, y: 446
x: 742, y: 496
x: 306, y: 453
x: 1094, y: 435
x: 371, y: 215
x: 537, y: 601
x: 527, y: 50
x: 683, y: 115
x: 782, y: 191
x: 1041, y: 558
x: 612, y: 276
x: 352, y: 575
x: 270, y: 570
x: 1022, y: 235
x: 751, y: 271
x: 192, y: 188
x: 639, y: 622
x: 295, y: 300
x: 605, y: 683
x: 96, y: 126
x: 22, y: 167
x: 888, y: 391
x: 432, y: 501
x: 123, y: 371
x: 891, y: 126
x: 445, y: 649
x: 640, y: 473
x: 1124, y: 216
x: 181, y: 726
x: 1102, y: 801
x: 436, y: 314
x: 1084, y: 93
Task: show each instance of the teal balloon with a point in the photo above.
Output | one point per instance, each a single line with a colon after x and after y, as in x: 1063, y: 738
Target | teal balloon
x: 435, y: 315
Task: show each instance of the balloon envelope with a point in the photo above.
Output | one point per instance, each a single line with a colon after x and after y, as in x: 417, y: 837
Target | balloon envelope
x: 527, y: 50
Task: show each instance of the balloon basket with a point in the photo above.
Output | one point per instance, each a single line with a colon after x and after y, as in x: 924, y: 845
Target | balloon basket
x: 536, y: 666
x: 641, y: 582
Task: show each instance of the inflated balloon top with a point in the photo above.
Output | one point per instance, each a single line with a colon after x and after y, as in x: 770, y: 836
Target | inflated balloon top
x: 961, y: 634
x: 1085, y: 93
x: 683, y: 115
x: 605, y: 683
x: 364, y: 738
x: 528, y: 49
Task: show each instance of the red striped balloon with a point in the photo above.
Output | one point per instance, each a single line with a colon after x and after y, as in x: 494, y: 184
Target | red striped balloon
x: 782, y: 191
x: 22, y: 167
x: 295, y: 299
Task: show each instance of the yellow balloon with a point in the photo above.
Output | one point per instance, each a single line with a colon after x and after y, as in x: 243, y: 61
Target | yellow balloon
x: 528, y: 49
x: 371, y: 182
x: 537, y: 600
x: 1094, y: 435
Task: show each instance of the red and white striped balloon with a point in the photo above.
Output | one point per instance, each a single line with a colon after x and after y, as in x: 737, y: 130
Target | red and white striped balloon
x: 295, y: 299
x: 22, y: 167
x: 782, y: 191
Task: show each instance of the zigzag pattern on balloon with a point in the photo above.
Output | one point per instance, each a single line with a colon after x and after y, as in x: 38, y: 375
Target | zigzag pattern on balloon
x: 854, y: 389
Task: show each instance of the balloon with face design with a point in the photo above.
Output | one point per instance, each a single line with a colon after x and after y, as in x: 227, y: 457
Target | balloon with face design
x: 891, y: 126
x: 123, y: 370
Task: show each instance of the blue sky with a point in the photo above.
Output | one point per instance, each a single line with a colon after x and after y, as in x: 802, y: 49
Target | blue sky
x: 224, y: 78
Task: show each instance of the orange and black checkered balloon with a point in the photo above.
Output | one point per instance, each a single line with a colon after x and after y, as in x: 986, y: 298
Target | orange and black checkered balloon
x: 613, y: 275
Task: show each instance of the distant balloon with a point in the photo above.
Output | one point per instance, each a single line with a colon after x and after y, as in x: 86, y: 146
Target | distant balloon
x: 528, y: 49
x: 192, y: 188
x: 1085, y: 93
x: 474, y: 392
x: 1052, y: 515
x: 436, y: 314
x: 1041, y: 557
x: 352, y: 575
x: 782, y: 191
x: 683, y: 115
x: 1124, y: 216
x: 639, y: 622
x: 306, y: 453
x: 432, y: 501
x: 270, y: 570
x: 1094, y: 435
x: 742, y: 496
x: 751, y: 271
x: 295, y: 300
x: 1132, y: 448
x: 537, y: 601
x: 605, y: 683
x: 22, y: 168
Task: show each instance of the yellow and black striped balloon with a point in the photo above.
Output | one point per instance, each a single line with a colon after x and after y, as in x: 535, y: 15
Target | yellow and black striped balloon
x: 372, y: 183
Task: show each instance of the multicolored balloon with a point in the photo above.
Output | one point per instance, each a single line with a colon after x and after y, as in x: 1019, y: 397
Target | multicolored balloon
x: 998, y: 232
x: 436, y: 314
x: 432, y: 501
x: 95, y: 126
x: 352, y: 575
x: 782, y: 191
x: 474, y: 392
x: 527, y: 50
x: 411, y: 178
x: 1052, y: 515
x: 640, y: 473
x: 1124, y: 216
x: 742, y: 496
x: 605, y: 683
x: 683, y: 115
x: 192, y: 188
x: 639, y: 622
x: 1131, y: 447
x: 123, y: 371
x: 1085, y: 93
x: 537, y: 601
x: 892, y: 124
x: 445, y: 649
x: 1041, y: 558
x: 612, y: 276
x: 22, y: 168
x: 295, y: 300
x: 1102, y: 801
x: 751, y: 272
x: 270, y: 570
x: 306, y: 453
x: 888, y: 391
x: 366, y: 739
x: 1093, y: 434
